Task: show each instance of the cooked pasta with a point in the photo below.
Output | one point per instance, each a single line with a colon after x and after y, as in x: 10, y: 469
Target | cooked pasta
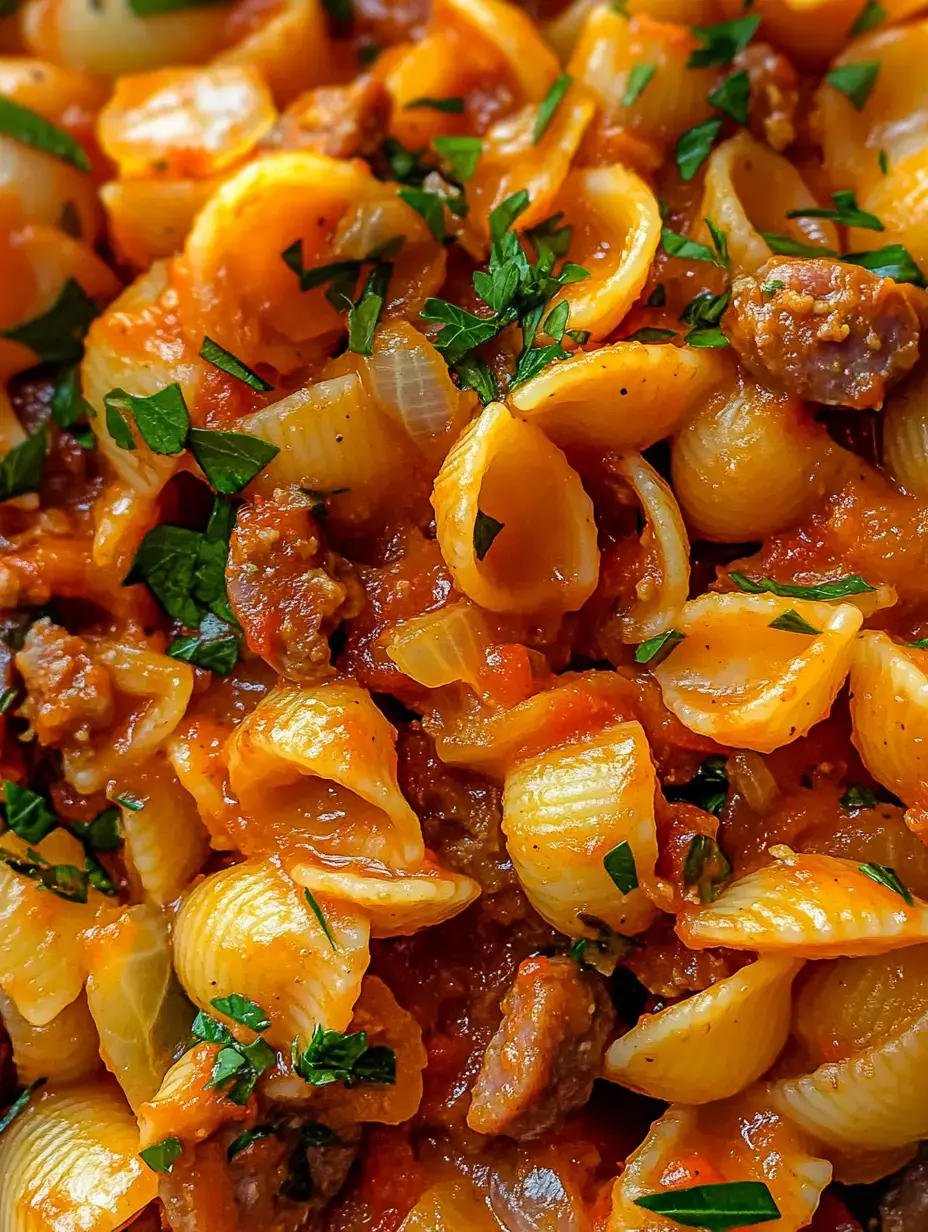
x: 463, y: 617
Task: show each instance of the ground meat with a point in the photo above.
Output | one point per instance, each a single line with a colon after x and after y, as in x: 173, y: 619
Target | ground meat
x: 774, y: 94
x: 340, y: 121
x: 905, y: 1205
x: 823, y: 330
x: 540, y: 1065
x: 287, y: 590
x: 68, y: 696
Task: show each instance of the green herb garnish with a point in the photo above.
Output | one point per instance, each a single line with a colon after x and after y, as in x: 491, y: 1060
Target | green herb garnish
x: 840, y: 588
x: 21, y: 468
x: 886, y: 876
x: 334, y: 1056
x: 791, y: 622
x: 19, y: 1103
x: 229, y: 460
x: 638, y: 80
x: 846, y: 211
x: 485, y: 531
x: 320, y: 917
x: 549, y: 106
x: 733, y: 96
x: 57, y: 336
x: 706, y: 866
x: 27, y: 126
x: 656, y: 649
x: 161, y: 418
x: 722, y: 42
x: 226, y: 362
x: 855, y: 81
x: 707, y: 789
x: 694, y: 146
x: 619, y: 863
x: 716, y: 1208
x: 451, y: 106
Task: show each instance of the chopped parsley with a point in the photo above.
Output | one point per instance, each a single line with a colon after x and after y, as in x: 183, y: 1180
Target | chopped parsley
x: 334, y: 1056
x: 430, y: 206
x: 707, y: 789
x: 215, y: 646
x: 162, y: 1156
x: 68, y: 406
x: 722, y: 42
x: 857, y: 797
x: 619, y: 863
x: 162, y: 418
x: 638, y: 80
x: 28, y: 814
x: 485, y: 531
x: 64, y: 880
x: 873, y: 14
x: 656, y: 649
x: 21, y: 467
x: 27, y: 126
x: 786, y: 246
x: 237, y: 1065
x: 716, y: 1208
x: 19, y: 1103
x: 855, y: 81
x: 101, y: 834
x: 462, y: 154
x: 733, y: 96
x: 57, y: 336
x: 239, y: 1144
x: 886, y: 876
x: 791, y: 622
x: 846, y: 211
x: 226, y: 362
x: 893, y: 261
x: 706, y: 867
x: 648, y: 333
x: 450, y: 106
x: 549, y: 105
x: 694, y: 146
x: 229, y: 460
x: 677, y: 245
x: 840, y: 588
x: 242, y: 1011
x: 320, y: 917
x: 703, y: 314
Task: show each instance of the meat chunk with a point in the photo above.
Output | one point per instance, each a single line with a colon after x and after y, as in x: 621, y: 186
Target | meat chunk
x: 823, y: 330
x: 287, y: 590
x: 68, y: 696
x: 905, y: 1205
x: 541, y: 1063
x: 774, y: 97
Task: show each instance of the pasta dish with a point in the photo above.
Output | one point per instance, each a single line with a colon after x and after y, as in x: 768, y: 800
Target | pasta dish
x: 463, y: 615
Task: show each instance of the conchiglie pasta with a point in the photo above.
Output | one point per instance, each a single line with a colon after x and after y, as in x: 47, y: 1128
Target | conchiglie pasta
x: 617, y: 228
x: 166, y: 843
x: 905, y: 434
x: 807, y: 906
x: 565, y: 810
x: 187, y: 122
x: 397, y: 904
x: 748, y: 190
x: 578, y: 403
x: 748, y: 463
x: 71, y: 1159
x: 149, y: 220
x: 740, y: 681
x: 289, y: 47
x: 453, y: 1207
x: 42, y: 963
x: 155, y: 690
x: 714, y: 1043
x: 184, y: 1106
x: 60, y: 1051
x: 739, y: 1139
x: 142, y: 1015
x: 249, y: 929
x: 889, y: 705
x: 327, y: 746
x: 545, y: 555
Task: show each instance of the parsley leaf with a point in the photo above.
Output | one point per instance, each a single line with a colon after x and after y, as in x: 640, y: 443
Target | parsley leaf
x: 840, y: 588
x: 242, y: 1011
x: 619, y: 863
x: 320, y: 917
x: 101, y: 834
x: 230, y: 460
x: 791, y: 622
x: 733, y: 96
x: 870, y: 16
x: 855, y: 80
x: 722, y: 42
x: 475, y: 373
x: 27, y: 126
x: 549, y: 105
x: 334, y: 1056
x: 68, y: 407
x: 28, y: 814
x: 364, y: 315
x: 161, y: 418
x: 656, y: 649
x: 846, y: 212
x: 64, y: 880
x: 19, y: 1103
x: 167, y: 562
x: 462, y: 154
x: 430, y: 206
x: 786, y: 246
x: 893, y: 261
x: 130, y: 802
x: 237, y: 1145
x: 451, y: 106
x: 883, y: 161
x: 162, y: 1156
x: 638, y: 80
x: 649, y: 334
x: 462, y: 331
x: 225, y: 361
x: 717, y: 1208
x: 151, y: 8
x: 707, y: 789
x: 21, y: 468
x: 657, y: 298
x: 485, y: 531
x: 693, y: 146
x: 57, y: 336
x: 857, y: 797
x: 677, y: 245
x: 706, y: 866
x: 7, y: 697
x: 888, y: 877
x: 215, y: 647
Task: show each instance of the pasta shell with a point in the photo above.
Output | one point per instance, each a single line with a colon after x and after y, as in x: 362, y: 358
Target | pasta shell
x: 396, y: 904
x: 713, y: 1044
x: 248, y: 929
x: 184, y: 1106
x: 889, y: 701
x: 748, y: 463
x: 742, y: 682
x: 514, y: 37
x: 72, y: 1159
x: 875, y: 1100
x: 749, y: 189
x: 665, y: 583
x: 739, y: 1139
x: 331, y: 732
x: 565, y: 810
x: 148, y: 220
x: 135, y: 1000
x: 617, y: 228
x: 905, y: 434
x: 42, y: 964
x: 575, y: 405
x: 545, y: 555
x: 452, y: 1207
x: 155, y: 691
x: 166, y: 843
x: 61, y: 1051
x: 808, y: 907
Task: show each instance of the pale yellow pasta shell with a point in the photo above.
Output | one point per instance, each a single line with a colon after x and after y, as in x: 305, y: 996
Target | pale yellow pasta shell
x: 289, y: 48
x: 748, y: 463
x: 889, y: 713
x: 249, y: 929
x: 515, y: 37
x: 42, y: 963
x: 565, y: 810
x: 749, y: 189
x: 156, y: 690
x: 184, y: 1106
x: 450, y: 1207
x: 166, y: 843
x: 70, y: 1161
x: 62, y: 1050
x: 807, y: 907
x: 740, y: 1139
x: 875, y: 1100
x: 148, y: 220
x: 713, y: 1044
x: 140, y: 1011
x: 40, y: 184
x: 334, y: 732
x: 617, y: 228
x: 443, y: 647
x: 743, y: 683
x: 622, y: 397
x: 905, y: 434
x: 545, y: 557
x: 662, y: 591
